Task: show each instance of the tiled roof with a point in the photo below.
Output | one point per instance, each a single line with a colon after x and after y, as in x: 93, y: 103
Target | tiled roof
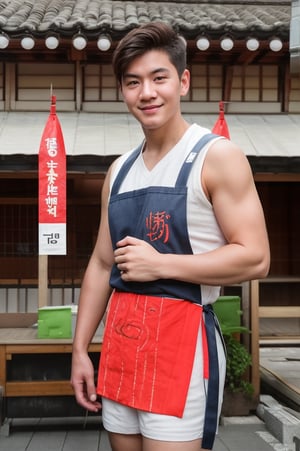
x: 91, y: 16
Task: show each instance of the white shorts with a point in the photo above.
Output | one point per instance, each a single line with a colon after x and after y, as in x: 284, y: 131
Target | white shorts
x: 126, y: 420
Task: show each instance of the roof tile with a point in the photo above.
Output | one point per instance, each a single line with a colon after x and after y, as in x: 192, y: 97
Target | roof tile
x: 120, y: 16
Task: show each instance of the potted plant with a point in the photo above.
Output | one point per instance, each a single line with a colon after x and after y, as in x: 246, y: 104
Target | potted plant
x: 238, y: 393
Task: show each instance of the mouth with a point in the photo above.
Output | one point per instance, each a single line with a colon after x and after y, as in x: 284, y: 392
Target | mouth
x: 150, y: 108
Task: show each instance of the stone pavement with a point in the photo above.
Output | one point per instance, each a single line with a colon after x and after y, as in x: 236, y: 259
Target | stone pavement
x: 248, y: 434
x: 273, y: 428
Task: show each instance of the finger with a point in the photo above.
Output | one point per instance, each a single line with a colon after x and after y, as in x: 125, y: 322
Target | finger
x: 119, y: 255
x: 128, y: 241
x: 91, y: 390
x: 92, y: 404
x: 88, y: 405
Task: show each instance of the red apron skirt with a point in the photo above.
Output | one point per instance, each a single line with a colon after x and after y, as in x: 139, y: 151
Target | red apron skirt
x: 148, y: 352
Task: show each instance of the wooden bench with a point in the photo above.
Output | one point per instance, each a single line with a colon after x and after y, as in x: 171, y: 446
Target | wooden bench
x: 16, y: 341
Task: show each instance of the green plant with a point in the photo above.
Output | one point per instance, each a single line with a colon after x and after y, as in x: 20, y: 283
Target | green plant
x: 238, y: 361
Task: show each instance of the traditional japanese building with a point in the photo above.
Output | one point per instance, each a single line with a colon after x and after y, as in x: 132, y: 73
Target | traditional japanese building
x: 243, y: 53
x: 246, y: 54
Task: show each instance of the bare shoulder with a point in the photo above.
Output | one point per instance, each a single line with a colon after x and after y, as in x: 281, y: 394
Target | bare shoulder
x: 106, y: 185
x: 223, y: 151
x: 225, y: 165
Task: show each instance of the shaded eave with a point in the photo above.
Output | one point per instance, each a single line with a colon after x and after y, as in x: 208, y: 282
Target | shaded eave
x: 17, y: 166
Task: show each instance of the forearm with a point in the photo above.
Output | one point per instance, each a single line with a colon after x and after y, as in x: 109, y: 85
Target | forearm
x: 229, y: 264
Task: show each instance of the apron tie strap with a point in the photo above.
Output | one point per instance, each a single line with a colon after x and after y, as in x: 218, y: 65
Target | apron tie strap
x: 205, y: 351
x: 212, y: 401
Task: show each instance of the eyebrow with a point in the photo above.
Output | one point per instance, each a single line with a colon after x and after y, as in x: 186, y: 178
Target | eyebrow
x: 155, y: 71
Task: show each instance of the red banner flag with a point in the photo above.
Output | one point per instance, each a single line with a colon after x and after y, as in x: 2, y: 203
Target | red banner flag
x: 220, y: 127
x: 52, y: 187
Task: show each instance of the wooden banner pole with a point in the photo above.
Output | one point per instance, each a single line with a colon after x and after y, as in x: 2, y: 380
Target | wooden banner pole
x: 43, y: 281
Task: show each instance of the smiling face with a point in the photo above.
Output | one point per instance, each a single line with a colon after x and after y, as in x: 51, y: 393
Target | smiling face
x: 152, y: 90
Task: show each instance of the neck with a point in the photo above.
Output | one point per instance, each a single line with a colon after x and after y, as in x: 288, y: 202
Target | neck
x: 159, y: 142
x: 171, y: 132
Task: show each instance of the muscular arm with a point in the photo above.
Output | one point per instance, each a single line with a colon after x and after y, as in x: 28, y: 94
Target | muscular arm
x: 228, y: 183
x: 94, y: 294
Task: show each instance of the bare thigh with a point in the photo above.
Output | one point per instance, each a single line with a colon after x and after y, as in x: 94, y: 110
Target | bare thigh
x: 135, y: 442
x: 158, y: 445
x: 125, y: 442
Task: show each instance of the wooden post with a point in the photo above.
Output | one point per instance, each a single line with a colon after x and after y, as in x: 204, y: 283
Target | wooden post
x: 254, y: 299
x: 2, y: 371
x: 43, y: 280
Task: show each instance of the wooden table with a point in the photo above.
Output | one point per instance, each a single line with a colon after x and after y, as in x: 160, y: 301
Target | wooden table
x: 15, y: 341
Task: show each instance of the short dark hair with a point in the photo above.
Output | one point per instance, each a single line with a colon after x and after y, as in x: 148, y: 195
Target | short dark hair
x: 150, y: 36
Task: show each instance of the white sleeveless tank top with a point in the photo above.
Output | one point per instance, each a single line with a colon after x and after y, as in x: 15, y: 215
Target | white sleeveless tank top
x: 204, y: 232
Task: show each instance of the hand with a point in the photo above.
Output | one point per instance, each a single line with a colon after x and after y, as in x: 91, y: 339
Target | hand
x: 137, y: 260
x: 82, y: 381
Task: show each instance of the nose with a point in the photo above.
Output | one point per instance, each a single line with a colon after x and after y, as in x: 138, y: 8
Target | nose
x: 148, y: 90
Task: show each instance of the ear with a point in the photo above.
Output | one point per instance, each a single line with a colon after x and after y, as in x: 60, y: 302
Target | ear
x: 185, y: 82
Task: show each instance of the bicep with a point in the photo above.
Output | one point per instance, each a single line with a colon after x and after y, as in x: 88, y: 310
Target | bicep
x: 234, y: 197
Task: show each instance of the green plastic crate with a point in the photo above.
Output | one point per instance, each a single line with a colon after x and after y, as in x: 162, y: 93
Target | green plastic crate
x: 55, y: 322
x: 228, y: 311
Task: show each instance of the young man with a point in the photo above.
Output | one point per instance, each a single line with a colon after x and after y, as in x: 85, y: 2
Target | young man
x: 180, y: 217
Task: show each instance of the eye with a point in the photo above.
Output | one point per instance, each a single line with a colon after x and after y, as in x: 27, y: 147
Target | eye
x: 132, y: 83
x: 160, y: 78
